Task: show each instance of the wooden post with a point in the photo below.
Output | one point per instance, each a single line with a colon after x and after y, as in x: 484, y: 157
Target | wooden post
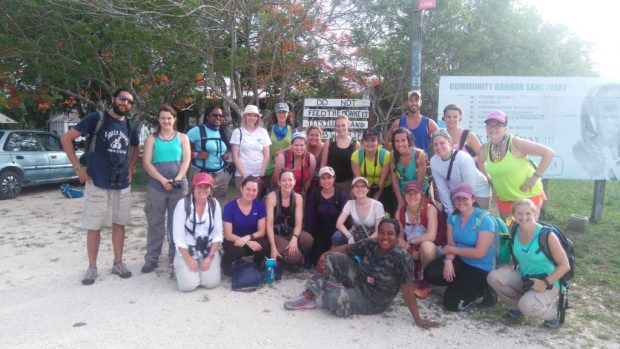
x: 598, y: 201
x: 543, y: 212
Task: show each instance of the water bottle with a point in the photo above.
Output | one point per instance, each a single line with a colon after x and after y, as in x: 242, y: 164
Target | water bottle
x: 270, y: 271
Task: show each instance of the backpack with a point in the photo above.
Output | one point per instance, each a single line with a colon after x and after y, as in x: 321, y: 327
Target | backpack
x: 189, y: 199
x: 289, y: 163
x: 543, y: 240
x: 500, y: 230
x: 91, y: 138
x: 441, y: 239
x: 245, y: 276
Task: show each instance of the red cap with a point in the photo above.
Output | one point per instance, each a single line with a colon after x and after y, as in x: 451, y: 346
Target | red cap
x: 202, y: 178
x: 463, y: 190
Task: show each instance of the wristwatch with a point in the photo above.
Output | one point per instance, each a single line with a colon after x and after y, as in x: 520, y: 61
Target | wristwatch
x: 549, y: 286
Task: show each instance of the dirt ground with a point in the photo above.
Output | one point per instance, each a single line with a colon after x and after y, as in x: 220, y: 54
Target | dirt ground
x: 43, y: 304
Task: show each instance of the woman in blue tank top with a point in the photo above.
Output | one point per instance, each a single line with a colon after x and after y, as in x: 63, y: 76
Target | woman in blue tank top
x: 166, y: 158
x: 534, y: 289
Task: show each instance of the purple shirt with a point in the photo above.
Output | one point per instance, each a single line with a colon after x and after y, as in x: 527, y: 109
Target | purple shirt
x: 244, y: 225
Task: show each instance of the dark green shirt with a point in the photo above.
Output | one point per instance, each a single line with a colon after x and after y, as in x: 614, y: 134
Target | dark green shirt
x: 380, y: 277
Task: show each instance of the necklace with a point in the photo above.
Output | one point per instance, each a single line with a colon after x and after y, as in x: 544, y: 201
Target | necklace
x: 496, y: 149
x: 417, y: 215
x: 165, y: 137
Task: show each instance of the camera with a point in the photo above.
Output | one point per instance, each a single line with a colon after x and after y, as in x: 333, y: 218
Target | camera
x: 177, y: 184
x: 527, y: 283
x: 373, y: 190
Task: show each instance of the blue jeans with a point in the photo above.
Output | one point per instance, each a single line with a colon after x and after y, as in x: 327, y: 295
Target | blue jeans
x: 338, y: 238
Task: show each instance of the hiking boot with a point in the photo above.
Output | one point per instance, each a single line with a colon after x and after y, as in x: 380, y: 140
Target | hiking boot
x: 299, y: 303
x: 514, y: 314
x: 89, y: 276
x: 552, y: 324
x: 489, y: 300
x: 121, y: 270
x: 423, y: 290
x: 148, y: 267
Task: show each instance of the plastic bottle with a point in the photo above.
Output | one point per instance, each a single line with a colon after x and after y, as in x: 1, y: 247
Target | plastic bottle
x: 270, y: 271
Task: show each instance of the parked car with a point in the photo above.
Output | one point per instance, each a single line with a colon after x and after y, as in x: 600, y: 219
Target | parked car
x: 29, y: 157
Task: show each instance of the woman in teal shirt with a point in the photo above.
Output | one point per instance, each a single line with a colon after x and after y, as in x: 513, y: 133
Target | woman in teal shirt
x: 540, y: 298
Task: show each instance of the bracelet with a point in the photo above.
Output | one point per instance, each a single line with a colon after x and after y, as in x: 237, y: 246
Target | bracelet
x: 77, y: 168
x: 252, y: 236
x: 537, y: 175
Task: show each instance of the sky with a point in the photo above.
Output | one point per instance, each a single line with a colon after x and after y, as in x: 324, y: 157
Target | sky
x: 593, y: 21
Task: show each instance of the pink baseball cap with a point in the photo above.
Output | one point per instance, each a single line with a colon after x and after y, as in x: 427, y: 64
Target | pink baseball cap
x: 413, y: 185
x: 497, y: 115
x: 463, y: 190
x: 202, y: 178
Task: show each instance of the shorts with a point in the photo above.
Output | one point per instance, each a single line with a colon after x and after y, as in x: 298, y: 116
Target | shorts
x: 506, y: 206
x: 102, y: 207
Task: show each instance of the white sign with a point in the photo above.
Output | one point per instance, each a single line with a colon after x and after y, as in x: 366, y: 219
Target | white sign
x: 579, y: 118
x: 323, y: 112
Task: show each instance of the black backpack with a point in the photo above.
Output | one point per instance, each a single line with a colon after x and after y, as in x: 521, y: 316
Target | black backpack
x: 230, y: 167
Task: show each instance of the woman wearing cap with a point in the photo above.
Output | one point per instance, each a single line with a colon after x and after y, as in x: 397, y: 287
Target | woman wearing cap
x: 166, y: 160
x: 508, y: 166
x: 197, y: 231
x: 299, y: 160
x: 280, y: 135
x: 540, y: 299
x: 468, y: 256
x: 467, y: 140
x: 338, y: 152
x: 315, y: 147
x: 373, y: 162
x: 244, y: 226
x: 409, y: 163
x: 322, y: 210
x: 366, y: 213
x: 451, y: 167
x: 250, y: 146
x: 284, y: 221
x: 420, y: 223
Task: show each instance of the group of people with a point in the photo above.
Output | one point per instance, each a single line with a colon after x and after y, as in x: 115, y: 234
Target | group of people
x: 306, y: 200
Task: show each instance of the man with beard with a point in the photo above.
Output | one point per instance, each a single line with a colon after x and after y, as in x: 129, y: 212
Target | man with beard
x: 420, y: 126
x: 107, y: 174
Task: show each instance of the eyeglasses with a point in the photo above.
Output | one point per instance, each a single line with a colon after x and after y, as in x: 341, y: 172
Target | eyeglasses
x: 216, y: 115
x: 126, y: 100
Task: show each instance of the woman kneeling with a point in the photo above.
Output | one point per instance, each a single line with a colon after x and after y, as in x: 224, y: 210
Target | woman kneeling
x: 345, y: 287
x: 534, y: 289
x: 284, y: 220
x: 197, y: 232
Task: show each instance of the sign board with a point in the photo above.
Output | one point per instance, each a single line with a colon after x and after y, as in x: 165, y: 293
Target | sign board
x: 426, y: 4
x: 322, y: 112
x: 579, y: 118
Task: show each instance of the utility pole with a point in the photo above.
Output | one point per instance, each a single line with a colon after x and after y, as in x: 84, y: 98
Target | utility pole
x: 416, y: 46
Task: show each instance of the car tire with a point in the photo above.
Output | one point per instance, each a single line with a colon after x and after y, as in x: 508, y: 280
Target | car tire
x: 10, y: 184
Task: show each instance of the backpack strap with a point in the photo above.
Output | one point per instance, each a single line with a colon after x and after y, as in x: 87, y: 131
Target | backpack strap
x: 452, y: 157
x: 92, y: 138
x: 463, y: 138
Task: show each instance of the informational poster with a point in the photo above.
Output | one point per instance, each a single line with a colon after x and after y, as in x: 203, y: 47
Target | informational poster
x: 322, y: 112
x: 579, y: 118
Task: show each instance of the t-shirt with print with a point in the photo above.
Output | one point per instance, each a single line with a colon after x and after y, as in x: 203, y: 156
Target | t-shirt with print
x: 467, y: 237
x: 244, y: 224
x: 250, y: 148
x: 380, y: 277
x: 111, y: 150
x: 214, y: 145
x: 371, y: 169
x: 376, y: 212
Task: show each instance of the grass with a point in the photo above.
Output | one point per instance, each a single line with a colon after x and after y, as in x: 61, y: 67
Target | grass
x: 594, y: 295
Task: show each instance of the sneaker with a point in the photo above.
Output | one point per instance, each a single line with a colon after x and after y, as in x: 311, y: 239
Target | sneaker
x: 514, y: 314
x: 552, y: 324
x: 121, y: 270
x: 299, y: 303
x: 489, y: 300
x: 149, y: 266
x: 89, y: 277
x: 423, y: 290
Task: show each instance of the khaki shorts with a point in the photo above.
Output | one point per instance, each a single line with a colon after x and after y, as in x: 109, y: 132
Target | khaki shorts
x: 102, y: 207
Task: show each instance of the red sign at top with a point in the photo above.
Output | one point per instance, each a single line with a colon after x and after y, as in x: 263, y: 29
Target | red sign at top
x: 426, y: 4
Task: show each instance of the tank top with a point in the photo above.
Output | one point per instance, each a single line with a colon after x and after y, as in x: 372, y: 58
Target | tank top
x: 167, y: 158
x: 302, y: 175
x: 340, y: 160
x: 531, y: 259
x: 509, y: 174
x: 409, y: 173
x: 286, y: 216
x: 276, y: 146
x: 420, y: 133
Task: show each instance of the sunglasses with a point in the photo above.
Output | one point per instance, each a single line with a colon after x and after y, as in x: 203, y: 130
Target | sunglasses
x: 126, y: 100
x: 216, y: 115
